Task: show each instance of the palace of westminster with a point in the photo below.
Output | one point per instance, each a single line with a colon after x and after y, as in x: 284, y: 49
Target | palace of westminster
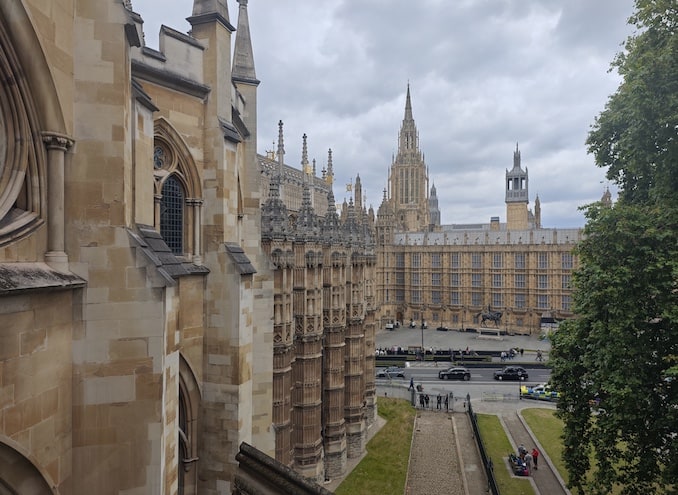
x: 180, y: 314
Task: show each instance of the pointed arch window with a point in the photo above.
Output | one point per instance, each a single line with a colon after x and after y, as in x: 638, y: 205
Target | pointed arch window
x: 172, y: 214
x: 178, y: 192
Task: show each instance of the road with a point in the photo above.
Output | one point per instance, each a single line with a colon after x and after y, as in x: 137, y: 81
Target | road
x: 478, y: 375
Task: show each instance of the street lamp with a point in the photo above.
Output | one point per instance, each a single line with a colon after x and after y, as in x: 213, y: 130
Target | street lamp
x: 423, y: 316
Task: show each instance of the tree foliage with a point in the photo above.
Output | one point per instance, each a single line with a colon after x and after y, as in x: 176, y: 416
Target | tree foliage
x: 635, y: 136
x: 623, y: 347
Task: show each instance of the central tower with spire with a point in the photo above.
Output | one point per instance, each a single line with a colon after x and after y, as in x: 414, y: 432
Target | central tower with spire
x: 408, y: 177
x: 517, y: 217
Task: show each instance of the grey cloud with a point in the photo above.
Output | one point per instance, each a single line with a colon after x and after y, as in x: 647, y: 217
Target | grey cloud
x: 483, y: 74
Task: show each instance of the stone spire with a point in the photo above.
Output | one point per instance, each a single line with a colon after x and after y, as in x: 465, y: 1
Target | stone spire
x: 331, y: 224
x: 352, y: 230
x: 243, y: 56
x: 408, y: 141
x: 274, y: 216
x: 516, y: 158
x: 408, y: 105
x: 332, y: 231
x: 358, y: 193
x: 307, y: 224
x: 330, y: 168
x: 433, y: 208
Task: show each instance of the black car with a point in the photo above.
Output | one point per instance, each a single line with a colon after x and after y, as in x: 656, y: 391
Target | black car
x: 442, y: 328
x: 455, y: 373
x: 391, y: 372
x: 511, y: 373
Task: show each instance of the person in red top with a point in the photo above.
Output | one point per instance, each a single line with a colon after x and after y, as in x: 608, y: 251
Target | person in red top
x: 535, y: 458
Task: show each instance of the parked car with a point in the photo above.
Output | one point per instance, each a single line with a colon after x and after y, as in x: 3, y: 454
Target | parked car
x: 390, y: 326
x: 540, y: 392
x: 455, y: 373
x: 391, y: 372
x: 442, y: 328
x: 511, y: 373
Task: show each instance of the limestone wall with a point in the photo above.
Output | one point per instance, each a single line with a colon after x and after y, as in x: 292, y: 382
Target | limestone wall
x: 35, y: 381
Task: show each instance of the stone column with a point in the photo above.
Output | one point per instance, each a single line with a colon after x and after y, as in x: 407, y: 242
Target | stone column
x: 57, y: 145
x: 196, y: 206
x: 157, y: 203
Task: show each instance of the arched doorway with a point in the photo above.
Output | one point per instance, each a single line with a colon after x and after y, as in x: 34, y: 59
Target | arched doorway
x: 18, y: 475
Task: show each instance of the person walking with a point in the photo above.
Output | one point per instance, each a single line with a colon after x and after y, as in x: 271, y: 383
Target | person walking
x: 411, y: 387
x: 535, y: 458
x: 528, y: 462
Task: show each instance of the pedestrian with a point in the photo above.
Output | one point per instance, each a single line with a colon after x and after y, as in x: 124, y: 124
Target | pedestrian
x: 447, y: 402
x: 522, y: 451
x: 421, y: 400
x: 535, y: 458
x: 411, y: 387
x: 528, y: 462
x: 440, y: 401
x: 426, y: 399
x: 521, y: 351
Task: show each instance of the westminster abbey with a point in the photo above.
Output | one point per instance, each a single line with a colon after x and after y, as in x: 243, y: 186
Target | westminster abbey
x: 180, y: 314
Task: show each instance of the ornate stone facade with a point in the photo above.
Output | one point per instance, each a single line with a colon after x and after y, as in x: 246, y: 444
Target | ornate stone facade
x: 135, y: 297
x: 168, y: 296
x: 324, y: 393
x: 447, y: 275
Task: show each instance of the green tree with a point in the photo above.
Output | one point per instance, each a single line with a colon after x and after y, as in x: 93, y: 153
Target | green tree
x: 623, y: 347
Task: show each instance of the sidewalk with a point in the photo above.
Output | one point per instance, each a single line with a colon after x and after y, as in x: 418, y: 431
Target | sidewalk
x: 454, y: 340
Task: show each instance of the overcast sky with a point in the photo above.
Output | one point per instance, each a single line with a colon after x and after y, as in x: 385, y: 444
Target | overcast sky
x: 483, y: 74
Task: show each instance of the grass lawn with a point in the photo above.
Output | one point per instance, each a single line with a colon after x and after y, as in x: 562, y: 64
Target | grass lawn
x: 497, y: 448
x: 384, y: 468
x: 548, y: 430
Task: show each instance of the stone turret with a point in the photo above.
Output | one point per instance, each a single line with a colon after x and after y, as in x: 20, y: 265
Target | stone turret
x: 516, y: 195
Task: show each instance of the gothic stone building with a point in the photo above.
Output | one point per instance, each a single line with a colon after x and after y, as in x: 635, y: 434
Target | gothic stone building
x: 324, y: 317
x: 448, y: 275
x: 154, y: 332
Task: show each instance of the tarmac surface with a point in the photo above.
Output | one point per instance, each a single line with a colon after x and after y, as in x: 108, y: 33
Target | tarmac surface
x: 444, y: 458
x: 488, y: 340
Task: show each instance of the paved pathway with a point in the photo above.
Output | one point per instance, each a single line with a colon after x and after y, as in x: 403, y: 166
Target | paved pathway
x: 435, y: 466
x: 445, y: 460
x: 546, y: 479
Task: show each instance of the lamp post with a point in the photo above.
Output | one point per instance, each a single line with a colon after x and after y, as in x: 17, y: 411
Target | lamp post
x: 423, y: 316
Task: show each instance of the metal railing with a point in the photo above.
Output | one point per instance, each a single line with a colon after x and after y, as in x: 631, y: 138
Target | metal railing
x: 487, y: 462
